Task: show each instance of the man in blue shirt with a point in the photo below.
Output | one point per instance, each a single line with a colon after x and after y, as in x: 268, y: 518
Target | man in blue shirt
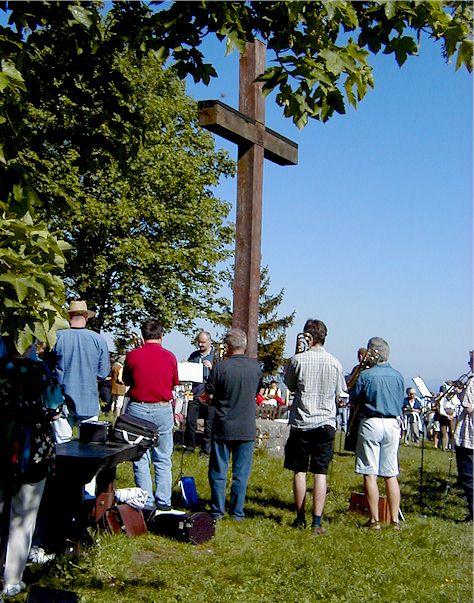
x: 82, y: 358
x: 380, y: 392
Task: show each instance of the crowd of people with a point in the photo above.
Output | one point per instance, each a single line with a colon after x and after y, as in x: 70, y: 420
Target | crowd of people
x: 146, y: 380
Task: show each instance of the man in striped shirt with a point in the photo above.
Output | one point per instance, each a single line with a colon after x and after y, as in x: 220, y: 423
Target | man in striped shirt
x: 317, y: 380
x: 464, y: 440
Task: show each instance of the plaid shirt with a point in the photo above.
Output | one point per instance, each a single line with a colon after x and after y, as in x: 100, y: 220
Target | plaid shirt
x: 464, y: 435
x: 317, y: 379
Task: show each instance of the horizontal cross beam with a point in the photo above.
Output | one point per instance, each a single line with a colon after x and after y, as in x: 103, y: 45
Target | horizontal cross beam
x: 240, y: 129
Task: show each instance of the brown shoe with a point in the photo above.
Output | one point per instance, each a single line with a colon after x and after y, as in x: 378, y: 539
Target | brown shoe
x: 318, y: 530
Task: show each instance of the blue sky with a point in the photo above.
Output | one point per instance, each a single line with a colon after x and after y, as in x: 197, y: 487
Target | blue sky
x: 372, y: 231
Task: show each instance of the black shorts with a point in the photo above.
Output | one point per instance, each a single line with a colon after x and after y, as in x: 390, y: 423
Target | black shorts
x: 310, y: 449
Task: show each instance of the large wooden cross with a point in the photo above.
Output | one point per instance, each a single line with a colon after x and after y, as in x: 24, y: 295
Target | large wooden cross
x: 246, y: 128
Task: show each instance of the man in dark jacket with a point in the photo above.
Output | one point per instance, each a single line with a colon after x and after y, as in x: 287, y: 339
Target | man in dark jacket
x: 232, y: 387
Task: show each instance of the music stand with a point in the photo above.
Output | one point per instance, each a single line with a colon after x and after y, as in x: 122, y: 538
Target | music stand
x: 425, y: 392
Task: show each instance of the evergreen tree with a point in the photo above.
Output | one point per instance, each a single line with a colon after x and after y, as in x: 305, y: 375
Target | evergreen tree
x: 271, y: 328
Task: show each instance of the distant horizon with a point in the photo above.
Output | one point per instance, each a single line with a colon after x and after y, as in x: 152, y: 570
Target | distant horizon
x: 182, y: 347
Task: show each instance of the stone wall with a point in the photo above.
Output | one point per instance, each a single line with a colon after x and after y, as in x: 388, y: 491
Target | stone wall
x: 272, y: 436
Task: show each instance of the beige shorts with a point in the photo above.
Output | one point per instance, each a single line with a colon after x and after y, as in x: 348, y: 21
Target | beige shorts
x: 377, y: 447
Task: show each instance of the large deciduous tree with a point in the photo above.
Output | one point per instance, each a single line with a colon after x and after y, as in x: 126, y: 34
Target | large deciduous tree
x: 134, y: 202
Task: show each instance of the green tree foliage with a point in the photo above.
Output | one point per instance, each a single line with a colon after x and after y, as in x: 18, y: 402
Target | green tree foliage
x: 271, y: 328
x: 124, y: 173
x: 321, y: 49
x: 32, y: 293
x: 133, y: 202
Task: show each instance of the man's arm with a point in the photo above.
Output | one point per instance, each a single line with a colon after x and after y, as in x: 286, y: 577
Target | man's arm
x: 175, y: 373
x: 210, y: 385
x: 290, y: 376
x: 341, y: 382
x: 468, y: 398
x: 127, y: 373
x: 103, y: 369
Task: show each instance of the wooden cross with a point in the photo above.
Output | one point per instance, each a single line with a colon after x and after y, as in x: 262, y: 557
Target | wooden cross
x: 246, y: 128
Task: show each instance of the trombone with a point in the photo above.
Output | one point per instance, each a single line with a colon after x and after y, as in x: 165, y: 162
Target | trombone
x: 459, y: 383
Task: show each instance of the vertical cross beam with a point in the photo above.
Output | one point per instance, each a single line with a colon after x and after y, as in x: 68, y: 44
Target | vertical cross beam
x: 246, y: 128
x: 249, y: 201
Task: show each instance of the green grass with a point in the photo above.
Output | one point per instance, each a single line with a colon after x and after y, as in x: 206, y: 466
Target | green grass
x: 264, y: 560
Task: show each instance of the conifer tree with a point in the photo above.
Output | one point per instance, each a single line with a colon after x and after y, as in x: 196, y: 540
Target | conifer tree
x: 271, y: 328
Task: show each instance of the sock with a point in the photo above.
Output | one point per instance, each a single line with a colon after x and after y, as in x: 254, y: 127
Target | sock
x: 316, y: 521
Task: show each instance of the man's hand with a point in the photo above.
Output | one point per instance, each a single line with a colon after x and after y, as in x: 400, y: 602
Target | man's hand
x: 207, y: 364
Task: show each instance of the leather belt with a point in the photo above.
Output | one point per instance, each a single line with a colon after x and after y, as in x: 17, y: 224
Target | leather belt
x: 161, y: 403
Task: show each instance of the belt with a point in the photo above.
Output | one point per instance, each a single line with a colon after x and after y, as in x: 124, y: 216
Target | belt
x: 161, y: 403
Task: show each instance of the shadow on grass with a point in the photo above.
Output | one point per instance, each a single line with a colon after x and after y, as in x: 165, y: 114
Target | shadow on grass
x: 436, y: 494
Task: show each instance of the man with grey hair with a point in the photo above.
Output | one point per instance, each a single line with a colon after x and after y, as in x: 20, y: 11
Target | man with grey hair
x: 380, y: 393
x: 231, y: 388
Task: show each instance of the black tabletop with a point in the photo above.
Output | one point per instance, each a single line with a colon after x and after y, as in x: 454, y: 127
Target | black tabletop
x: 79, y: 462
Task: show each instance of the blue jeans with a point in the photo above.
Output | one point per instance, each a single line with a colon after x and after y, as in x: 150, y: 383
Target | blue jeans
x: 242, y: 456
x: 160, y: 456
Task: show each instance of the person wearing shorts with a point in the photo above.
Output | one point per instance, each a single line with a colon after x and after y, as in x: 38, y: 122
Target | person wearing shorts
x: 317, y: 380
x: 380, y: 393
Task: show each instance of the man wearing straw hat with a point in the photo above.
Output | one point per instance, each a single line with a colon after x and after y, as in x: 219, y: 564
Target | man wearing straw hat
x: 82, y: 359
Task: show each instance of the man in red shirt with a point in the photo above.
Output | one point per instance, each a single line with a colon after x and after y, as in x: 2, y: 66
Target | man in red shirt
x: 152, y: 373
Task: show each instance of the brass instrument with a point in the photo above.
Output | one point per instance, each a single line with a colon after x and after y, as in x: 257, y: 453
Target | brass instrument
x: 370, y: 359
x: 135, y: 340
x: 304, y: 341
x: 459, y: 383
x: 220, y: 352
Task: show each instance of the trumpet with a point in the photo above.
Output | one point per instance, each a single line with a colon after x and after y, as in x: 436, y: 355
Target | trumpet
x: 370, y: 359
x: 304, y: 341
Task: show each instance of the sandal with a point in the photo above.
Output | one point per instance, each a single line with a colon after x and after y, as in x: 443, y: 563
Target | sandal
x: 395, y: 526
x: 374, y: 525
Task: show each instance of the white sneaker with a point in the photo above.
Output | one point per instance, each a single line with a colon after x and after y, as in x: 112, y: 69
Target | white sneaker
x: 10, y: 590
x: 39, y: 556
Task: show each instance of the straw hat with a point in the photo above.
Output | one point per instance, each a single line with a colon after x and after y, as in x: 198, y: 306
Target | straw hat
x: 78, y: 307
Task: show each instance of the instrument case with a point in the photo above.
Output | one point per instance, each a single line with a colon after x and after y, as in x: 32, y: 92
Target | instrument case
x: 187, y: 527
x: 94, y: 432
x: 359, y: 504
x: 135, y: 431
x: 123, y: 518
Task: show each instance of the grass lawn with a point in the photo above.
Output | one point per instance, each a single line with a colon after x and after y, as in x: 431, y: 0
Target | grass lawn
x: 263, y: 559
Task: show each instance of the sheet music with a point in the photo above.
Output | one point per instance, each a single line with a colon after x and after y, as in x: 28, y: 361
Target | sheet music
x: 420, y: 384
x: 190, y: 371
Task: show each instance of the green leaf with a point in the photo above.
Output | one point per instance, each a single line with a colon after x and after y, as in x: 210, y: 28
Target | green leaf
x: 465, y: 55
x: 390, y: 8
x: 24, y: 339
x: 81, y: 15
x: 334, y: 63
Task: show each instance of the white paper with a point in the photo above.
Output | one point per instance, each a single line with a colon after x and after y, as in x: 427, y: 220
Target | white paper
x: 420, y: 384
x: 190, y: 371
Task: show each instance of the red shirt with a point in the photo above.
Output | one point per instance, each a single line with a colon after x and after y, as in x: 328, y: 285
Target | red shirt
x: 152, y: 372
